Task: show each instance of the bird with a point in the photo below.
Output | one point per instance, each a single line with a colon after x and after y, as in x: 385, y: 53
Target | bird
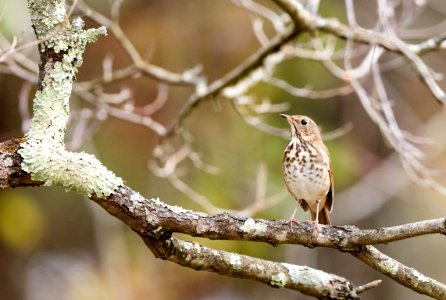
x: 306, y: 168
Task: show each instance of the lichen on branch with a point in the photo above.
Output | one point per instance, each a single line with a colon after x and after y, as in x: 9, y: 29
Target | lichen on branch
x: 44, y: 155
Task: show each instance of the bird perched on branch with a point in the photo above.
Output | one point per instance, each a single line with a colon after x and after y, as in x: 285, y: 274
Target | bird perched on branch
x: 307, y: 170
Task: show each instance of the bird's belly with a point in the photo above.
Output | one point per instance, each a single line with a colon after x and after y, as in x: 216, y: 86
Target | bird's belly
x: 309, y: 184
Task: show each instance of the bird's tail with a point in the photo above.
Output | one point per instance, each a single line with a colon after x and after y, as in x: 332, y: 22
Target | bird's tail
x: 324, y: 216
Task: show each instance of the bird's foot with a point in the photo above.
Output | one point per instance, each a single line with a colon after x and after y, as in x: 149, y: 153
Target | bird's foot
x: 292, y: 220
x: 316, y: 226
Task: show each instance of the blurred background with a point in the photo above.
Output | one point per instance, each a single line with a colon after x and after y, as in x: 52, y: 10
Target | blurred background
x: 58, y: 245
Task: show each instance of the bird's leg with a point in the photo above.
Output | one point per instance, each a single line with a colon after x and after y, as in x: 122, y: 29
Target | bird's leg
x: 292, y: 219
x: 316, y: 221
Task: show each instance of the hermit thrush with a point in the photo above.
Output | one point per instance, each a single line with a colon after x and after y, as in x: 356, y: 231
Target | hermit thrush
x: 307, y: 170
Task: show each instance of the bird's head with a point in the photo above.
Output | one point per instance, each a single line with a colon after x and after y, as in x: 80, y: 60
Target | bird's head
x: 303, y: 126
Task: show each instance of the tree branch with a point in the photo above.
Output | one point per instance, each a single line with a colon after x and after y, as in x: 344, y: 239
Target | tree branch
x: 155, y: 221
x: 45, y: 158
x: 305, y: 21
x: 311, y: 22
x: 307, y: 280
x: 409, y: 277
x: 148, y: 217
x: 139, y: 65
x: 131, y: 208
x: 233, y: 76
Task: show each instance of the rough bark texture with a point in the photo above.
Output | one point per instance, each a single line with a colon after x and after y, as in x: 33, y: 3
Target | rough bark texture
x: 11, y: 174
x: 280, y: 275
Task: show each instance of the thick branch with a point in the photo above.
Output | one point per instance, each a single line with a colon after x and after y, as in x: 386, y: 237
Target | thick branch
x: 154, y: 216
x: 43, y: 151
x: 144, y: 215
x: 129, y: 206
x: 304, y: 279
x: 152, y: 219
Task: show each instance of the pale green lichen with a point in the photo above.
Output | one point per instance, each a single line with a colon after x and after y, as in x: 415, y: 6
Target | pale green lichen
x: 294, y: 271
x: 201, y: 228
x: 158, y: 229
x: 46, y: 15
x: 259, y: 267
x: 420, y: 276
x: 173, y: 208
x: 195, y: 247
x: 389, y: 266
x: 136, y: 197
x: 279, y: 280
x: 43, y: 152
x: 250, y: 226
x: 235, y: 261
x: 306, y: 275
x: 193, y: 256
x: 282, y: 236
x: 177, y: 209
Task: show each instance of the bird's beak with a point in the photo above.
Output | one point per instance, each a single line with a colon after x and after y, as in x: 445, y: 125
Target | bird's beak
x: 287, y: 117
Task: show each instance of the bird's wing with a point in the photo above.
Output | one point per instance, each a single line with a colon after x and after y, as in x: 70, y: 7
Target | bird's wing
x: 330, y: 195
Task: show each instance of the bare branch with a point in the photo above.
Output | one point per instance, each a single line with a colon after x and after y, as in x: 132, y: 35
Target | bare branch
x: 367, y: 286
x: 139, y: 64
x: 237, y: 73
x: 306, y: 21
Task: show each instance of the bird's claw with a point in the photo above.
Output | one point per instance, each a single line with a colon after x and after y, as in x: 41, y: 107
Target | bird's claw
x: 316, y: 226
x: 291, y: 221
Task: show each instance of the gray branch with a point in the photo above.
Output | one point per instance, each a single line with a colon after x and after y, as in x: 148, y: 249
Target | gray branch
x: 239, y: 72
x: 402, y: 274
x: 156, y: 230
x: 307, y: 280
x: 307, y: 21
x: 155, y: 221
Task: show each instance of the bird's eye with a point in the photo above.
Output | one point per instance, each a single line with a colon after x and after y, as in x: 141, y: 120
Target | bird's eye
x: 304, y: 122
